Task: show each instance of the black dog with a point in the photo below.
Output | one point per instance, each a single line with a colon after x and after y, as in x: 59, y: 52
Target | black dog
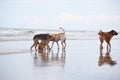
x: 41, y: 37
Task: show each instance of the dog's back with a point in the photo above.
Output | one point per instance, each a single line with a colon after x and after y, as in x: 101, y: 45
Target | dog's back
x: 41, y: 36
x: 36, y: 36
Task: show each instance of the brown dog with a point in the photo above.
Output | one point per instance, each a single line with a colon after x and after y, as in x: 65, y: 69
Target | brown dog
x: 41, y: 37
x: 107, y: 36
x: 59, y: 37
x: 43, y: 44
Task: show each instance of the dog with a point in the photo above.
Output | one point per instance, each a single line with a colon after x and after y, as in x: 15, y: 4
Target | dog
x: 107, y: 36
x: 42, y: 45
x: 59, y: 37
x: 41, y: 37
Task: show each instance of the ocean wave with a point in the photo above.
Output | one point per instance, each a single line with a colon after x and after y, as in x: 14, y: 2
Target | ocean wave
x: 14, y: 32
x: 27, y: 34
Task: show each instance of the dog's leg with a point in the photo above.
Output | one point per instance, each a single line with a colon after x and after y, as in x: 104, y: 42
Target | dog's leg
x: 101, y: 46
x: 48, y: 48
x: 57, y: 44
x: 44, y: 49
x: 35, y: 47
x: 52, y: 44
x: 108, y: 45
x: 101, y: 42
x: 108, y: 50
x: 64, y: 44
x: 32, y: 46
x: 35, y: 44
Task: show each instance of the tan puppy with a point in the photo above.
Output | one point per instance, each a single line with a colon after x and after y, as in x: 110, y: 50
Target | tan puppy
x: 59, y: 37
x: 43, y: 44
x: 107, y: 36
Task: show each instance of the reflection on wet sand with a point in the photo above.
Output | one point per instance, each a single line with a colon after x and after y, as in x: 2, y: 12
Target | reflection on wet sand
x: 50, y: 59
x: 106, y: 59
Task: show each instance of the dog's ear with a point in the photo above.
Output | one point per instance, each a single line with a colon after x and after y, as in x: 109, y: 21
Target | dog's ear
x: 112, y: 30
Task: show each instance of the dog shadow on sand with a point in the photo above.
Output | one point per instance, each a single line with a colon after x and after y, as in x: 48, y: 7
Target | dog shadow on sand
x: 106, y: 59
x: 50, y: 59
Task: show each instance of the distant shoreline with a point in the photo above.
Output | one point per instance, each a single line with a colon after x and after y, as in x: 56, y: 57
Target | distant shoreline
x: 34, y: 29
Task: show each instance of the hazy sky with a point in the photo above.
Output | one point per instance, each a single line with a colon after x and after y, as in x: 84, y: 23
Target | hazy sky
x: 70, y: 14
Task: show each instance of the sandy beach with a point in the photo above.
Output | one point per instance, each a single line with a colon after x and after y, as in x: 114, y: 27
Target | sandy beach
x: 80, y: 22
x: 80, y: 60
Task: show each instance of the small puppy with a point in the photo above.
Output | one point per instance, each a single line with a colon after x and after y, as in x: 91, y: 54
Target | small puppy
x: 107, y: 36
x: 41, y: 37
x: 58, y: 37
x: 43, y: 44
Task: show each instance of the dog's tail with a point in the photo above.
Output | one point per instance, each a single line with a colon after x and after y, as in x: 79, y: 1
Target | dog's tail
x: 100, y: 32
x: 62, y: 30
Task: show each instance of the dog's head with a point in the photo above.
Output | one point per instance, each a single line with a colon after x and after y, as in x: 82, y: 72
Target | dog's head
x: 51, y: 37
x: 48, y: 36
x: 100, y: 32
x: 114, y: 32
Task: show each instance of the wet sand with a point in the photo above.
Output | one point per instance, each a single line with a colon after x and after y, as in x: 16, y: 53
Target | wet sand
x: 82, y: 60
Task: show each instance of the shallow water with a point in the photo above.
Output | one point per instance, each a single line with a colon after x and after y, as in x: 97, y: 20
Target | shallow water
x: 80, y: 60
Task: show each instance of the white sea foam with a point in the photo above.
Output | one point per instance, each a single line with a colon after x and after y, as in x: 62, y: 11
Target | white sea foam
x: 27, y: 34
